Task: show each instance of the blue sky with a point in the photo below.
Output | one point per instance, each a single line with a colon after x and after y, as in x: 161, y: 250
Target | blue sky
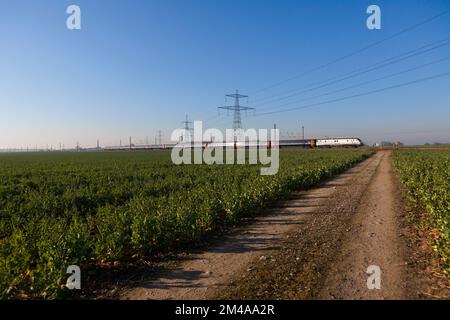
x: 139, y: 66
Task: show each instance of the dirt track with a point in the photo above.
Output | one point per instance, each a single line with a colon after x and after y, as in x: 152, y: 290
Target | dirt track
x: 316, y: 245
x: 375, y: 240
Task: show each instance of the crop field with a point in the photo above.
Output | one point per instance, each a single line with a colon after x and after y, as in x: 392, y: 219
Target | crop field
x: 60, y: 209
x: 426, y: 175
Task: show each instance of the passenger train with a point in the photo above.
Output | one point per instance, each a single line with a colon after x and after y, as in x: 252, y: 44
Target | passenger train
x: 299, y: 143
x: 302, y: 143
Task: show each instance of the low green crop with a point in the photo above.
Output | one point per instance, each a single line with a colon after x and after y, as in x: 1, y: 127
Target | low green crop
x: 426, y: 176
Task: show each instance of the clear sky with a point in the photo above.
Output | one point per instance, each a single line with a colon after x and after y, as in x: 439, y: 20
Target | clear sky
x: 139, y: 66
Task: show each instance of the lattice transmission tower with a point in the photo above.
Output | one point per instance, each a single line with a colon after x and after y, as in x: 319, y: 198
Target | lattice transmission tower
x: 188, y: 128
x: 237, y: 108
x: 187, y: 124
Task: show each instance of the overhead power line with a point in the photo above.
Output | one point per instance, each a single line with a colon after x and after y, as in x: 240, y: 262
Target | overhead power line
x: 361, y: 83
x: 361, y: 71
x: 365, y: 48
x: 214, y: 118
x: 357, y: 95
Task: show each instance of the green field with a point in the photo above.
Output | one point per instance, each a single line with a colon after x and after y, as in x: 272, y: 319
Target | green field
x: 426, y: 176
x: 59, y: 209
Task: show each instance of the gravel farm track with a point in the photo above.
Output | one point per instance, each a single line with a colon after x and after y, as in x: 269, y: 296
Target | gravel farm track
x: 315, y: 245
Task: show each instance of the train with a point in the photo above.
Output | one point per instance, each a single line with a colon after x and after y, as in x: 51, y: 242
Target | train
x: 344, y: 142
x: 302, y: 143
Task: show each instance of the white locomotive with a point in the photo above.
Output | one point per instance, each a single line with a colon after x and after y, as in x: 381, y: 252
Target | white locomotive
x: 338, y: 142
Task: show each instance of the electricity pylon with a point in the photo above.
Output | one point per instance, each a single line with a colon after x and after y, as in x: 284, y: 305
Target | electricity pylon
x: 237, y: 108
